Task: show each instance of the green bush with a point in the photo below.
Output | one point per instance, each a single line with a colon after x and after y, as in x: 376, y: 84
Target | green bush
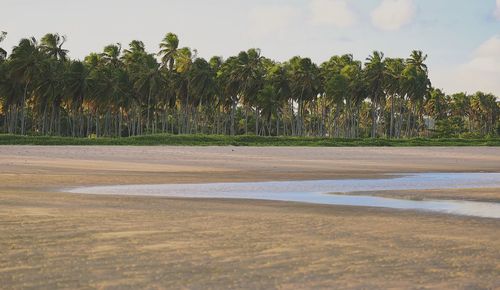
x: 246, y: 140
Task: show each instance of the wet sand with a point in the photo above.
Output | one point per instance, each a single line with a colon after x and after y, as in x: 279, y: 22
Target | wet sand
x: 56, y: 240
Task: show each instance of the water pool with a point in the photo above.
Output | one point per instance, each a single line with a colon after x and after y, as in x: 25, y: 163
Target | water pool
x: 323, y: 191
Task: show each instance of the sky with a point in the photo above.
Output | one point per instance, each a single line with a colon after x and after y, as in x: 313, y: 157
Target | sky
x: 461, y: 37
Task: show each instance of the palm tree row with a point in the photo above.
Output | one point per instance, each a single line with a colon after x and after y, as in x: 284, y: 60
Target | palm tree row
x: 126, y: 92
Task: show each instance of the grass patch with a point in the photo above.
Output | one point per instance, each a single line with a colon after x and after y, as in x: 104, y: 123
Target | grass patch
x: 219, y: 140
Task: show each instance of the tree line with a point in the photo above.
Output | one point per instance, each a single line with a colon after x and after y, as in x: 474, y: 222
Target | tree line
x: 130, y: 91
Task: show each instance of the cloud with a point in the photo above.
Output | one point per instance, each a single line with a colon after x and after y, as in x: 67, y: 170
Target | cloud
x: 497, y: 11
x: 393, y: 14
x: 333, y: 12
x: 271, y: 19
x: 480, y: 73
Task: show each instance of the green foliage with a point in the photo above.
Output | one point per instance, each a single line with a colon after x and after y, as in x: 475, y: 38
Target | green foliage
x: 450, y: 127
x: 129, y: 92
x: 248, y: 140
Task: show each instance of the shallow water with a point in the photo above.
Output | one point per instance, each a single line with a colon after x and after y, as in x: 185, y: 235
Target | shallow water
x: 321, y: 191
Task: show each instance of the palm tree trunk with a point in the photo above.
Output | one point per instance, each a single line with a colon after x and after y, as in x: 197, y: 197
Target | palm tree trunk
x: 257, y: 121
x: 149, y: 103
x: 246, y: 120
x: 277, y: 123
x: 392, y: 118
x: 120, y: 122
x: 233, y: 112
x: 23, y: 109
x: 374, y: 120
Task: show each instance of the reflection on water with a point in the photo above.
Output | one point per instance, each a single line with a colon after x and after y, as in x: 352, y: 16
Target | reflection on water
x: 317, y: 191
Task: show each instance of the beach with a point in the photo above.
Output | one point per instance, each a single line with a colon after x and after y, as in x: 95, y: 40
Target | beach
x: 54, y: 239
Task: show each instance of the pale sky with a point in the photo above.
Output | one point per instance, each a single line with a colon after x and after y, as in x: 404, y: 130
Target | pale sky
x: 461, y: 37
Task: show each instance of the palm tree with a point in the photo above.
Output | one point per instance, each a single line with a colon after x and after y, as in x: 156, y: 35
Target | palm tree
x: 11, y: 94
x: 357, y: 93
x: 180, y: 82
x: 336, y: 86
x: 305, y: 85
x: 169, y: 50
x: 201, y: 85
x: 76, y: 90
x: 51, y: 44
x: 437, y: 106
x: 460, y: 107
x: 485, y: 111
x: 274, y: 96
x: 113, y: 94
x: 111, y: 54
x: 3, y: 52
x: 343, y: 89
x: 375, y: 75
x: 417, y: 85
x: 249, y: 72
x: 149, y: 82
x: 135, y: 54
x: 48, y: 93
x: 217, y: 101
x: 417, y: 59
x: 25, y: 66
x: 106, y: 88
x: 230, y: 86
x: 394, y: 89
x: 184, y: 59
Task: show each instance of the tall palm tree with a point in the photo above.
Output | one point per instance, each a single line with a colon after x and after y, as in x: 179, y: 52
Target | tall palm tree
x: 394, y: 90
x: 183, y: 61
x: 11, y: 94
x: 149, y: 82
x: 375, y: 75
x: 201, y: 86
x: 417, y: 85
x: 336, y: 86
x: 25, y: 66
x: 356, y: 94
x: 305, y: 85
x: 48, y: 93
x: 218, y: 102
x: 342, y: 86
x: 106, y: 87
x: 168, y: 50
x: 76, y: 91
x: 276, y: 95
x: 249, y: 72
x: 230, y: 86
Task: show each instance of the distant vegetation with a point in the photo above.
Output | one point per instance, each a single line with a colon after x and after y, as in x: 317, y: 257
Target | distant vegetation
x: 129, y: 92
x: 224, y: 140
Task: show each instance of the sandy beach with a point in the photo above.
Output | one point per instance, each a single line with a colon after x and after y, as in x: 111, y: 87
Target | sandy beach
x: 52, y: 239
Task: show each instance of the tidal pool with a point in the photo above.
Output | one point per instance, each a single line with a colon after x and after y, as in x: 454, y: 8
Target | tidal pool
x: 323, y: 191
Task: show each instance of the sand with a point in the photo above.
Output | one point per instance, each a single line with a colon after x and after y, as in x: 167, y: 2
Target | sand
x: 51, y: 239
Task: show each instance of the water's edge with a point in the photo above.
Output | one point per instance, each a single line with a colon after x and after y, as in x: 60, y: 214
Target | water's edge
x: 323, y: 191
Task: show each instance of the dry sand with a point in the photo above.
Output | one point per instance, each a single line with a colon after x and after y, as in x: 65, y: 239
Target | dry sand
x: 50, y: 239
